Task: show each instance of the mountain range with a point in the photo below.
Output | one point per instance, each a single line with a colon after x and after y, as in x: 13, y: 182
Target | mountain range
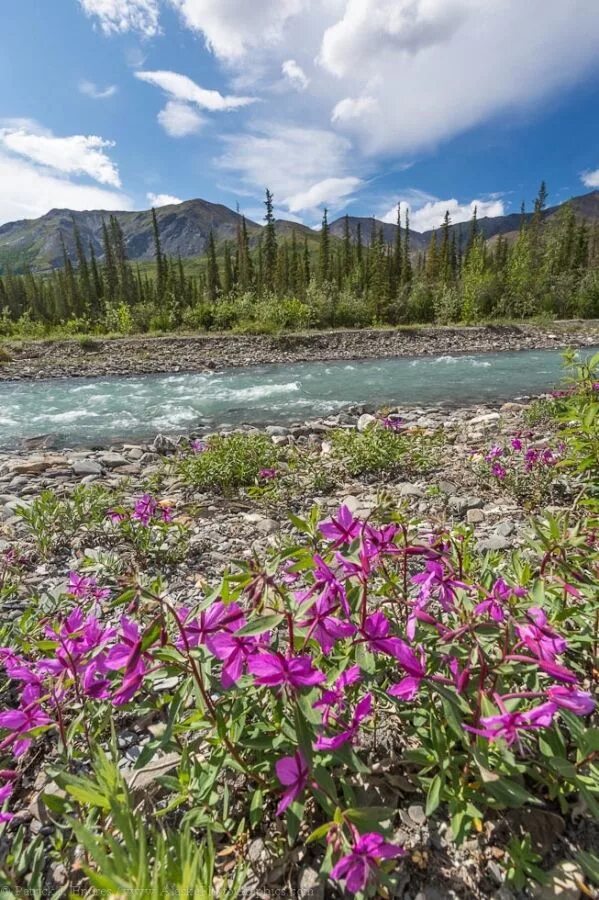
x: 36, y: 244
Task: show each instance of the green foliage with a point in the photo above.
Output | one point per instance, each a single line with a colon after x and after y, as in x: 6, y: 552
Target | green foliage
x: 229, y: 462
x: 53, y: 521
x: 273, y: 284
x: 379, y: 450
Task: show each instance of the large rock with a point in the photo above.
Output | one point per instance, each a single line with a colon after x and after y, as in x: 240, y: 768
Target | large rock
x: 34, y: 465
x: 84, y: 467
x: 113, y: 460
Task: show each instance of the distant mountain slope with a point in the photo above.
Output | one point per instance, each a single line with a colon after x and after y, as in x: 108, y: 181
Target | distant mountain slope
x: 185, y: 229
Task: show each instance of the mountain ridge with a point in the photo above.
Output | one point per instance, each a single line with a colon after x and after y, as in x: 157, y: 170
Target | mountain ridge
x: 36, y: 244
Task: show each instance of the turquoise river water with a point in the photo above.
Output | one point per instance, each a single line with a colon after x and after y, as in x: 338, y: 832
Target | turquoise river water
x: 89, y: 411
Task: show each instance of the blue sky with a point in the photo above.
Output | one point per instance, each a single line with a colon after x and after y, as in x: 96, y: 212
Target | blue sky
x: 353, y: 104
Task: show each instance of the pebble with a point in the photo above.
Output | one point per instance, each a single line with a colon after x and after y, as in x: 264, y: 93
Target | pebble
x: 112, y: 460
x: 365, y: 421
x: 494, y: 542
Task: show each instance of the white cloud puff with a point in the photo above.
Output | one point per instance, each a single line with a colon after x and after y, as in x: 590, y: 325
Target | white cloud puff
x: 591, y: 179
x: 162, y: 199
x: 90, y: 89
x: 428, y: 215
x: 119, y: 16
x: 295, y: 75
x: 233, y: 27
x: 182, y: 88
x: 77, y: 154
x: 180, y: 119
x: 28, y: 191
x: 328, y: 192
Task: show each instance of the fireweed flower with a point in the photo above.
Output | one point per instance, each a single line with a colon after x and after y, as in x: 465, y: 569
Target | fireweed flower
x: 494, y: 604
x: 377, y: 634
x: 234, y: 651
x: 327, y: 585
x: 393, y: 423
x: 218, y: 617
x: 276, y: 670
x: 333, y: 700
x: 508, y: 725
x: 115, y: 516
x: 415, y: 666
x: 498, y: 471
x: 145, y: 509
x: 20, y: 723
x: 292, y: 772
x: 84, y: 587
x: 579, y: 702
x: 539, y: 637
x: 267, y: 474
x: 494, y: 453
x: 324, y: 627
x: 6, y: 790
x: 360, y: 866
x: 516, y: 444
x: 342, y: 529
x: 127, y: 655
x: 199, y: 446
x: 438, y: 583
x: 362, y: 711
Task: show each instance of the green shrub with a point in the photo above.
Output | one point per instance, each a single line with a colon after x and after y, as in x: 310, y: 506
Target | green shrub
x: 381, y: 451
x: 229, y: 462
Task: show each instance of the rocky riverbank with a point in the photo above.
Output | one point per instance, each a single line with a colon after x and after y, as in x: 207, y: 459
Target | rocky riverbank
x: 147, y: 355
x: 224, y: 527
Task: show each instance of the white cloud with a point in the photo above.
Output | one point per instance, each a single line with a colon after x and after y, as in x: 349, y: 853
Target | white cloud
x: 431, y: 213
x: 368, y: 27
x: 232, y: 27
x: 440, y: 67
x: 591, y: 179
x: 162, y: 199
x: 295, y: 75
x: 74, y: 155
x: 354, y: 108
x: 327, y: 192
x: 97, y: 93
x: 119, y: 16
x: 28, y: 191
x: 180, y: 119
x: 182, y: 88
x: 288, y: 159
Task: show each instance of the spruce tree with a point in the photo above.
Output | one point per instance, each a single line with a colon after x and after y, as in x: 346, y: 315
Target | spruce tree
x: 324, y: 258
x: 213, y: 284
x: 269, y: 247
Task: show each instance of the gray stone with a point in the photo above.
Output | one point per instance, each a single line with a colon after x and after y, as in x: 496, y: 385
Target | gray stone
x: 410, y: 490
x: 494, y: 542
x: 365, y: 421
x: 276, y: 431
x: 267, y: 526
x: 486, y: 419
x: 310, y: 885
x: 163, y: 444
x: 87, y: 467
x: 475, y: 516
x: 113, y: 460
x: 417, y: 814
x: 505, y: 529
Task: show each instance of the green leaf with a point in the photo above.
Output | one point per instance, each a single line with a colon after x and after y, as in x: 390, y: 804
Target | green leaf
x: 433, y: 797
x: 256, y: 808
x: 590, y: 865
x: 260, y: 625
x: 510, y: 793
x: 319, y: 832
x: 371, y: 816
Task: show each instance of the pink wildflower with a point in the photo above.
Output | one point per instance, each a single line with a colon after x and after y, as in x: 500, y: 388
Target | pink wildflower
x: 292, y: 772
x: 359, y: 867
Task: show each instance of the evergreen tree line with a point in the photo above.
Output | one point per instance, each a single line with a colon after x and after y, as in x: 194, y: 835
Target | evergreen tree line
x: 551, y: 268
